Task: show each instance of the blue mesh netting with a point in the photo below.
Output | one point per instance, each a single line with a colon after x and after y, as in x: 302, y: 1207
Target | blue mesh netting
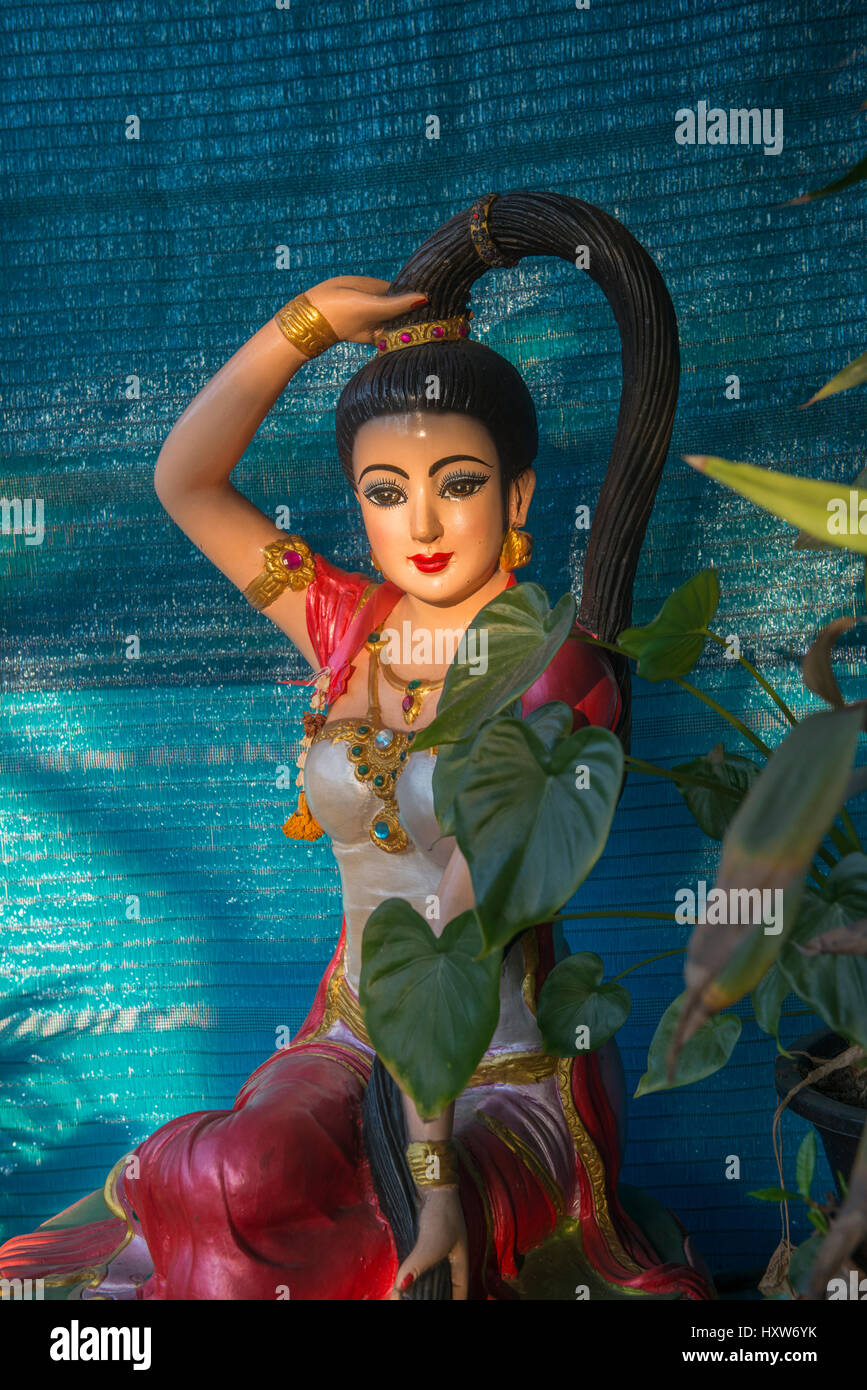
x: 158, y: 927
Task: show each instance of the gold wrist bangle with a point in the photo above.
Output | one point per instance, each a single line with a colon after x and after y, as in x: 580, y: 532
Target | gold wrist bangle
x: 304, y: 326
x: 433, y: 1163
x: 288, y: 565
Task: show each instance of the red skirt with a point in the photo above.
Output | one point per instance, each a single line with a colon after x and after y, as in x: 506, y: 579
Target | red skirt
x: 274, y: 1198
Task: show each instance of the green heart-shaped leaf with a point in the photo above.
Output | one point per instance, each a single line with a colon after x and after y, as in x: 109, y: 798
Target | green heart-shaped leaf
x: 572, y: 997
x: 714, y: 809
x: 550, y: 722
x: 845, y: 893
x: 450, y: 765
x: 449, y: 768
x: 834, y: 985
x: 672, y: 643
x: 430, y: 1005
x: 704, y: 1053
x: 523, y: 635
x: 531, y: 824
x: 767, y: 1000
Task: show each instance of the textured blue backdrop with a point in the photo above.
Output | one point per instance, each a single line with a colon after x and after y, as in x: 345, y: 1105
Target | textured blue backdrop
x: 153, y: 781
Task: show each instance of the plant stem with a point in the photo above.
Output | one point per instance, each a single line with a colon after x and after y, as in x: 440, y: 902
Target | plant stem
x: 725, y: 714
x: 650, y: 959
x: 597, y: 642
x: 837, y: 837
x: 766, y: 685
x: 693, y: 690
x: 852, y: 832
x: 653, y: 770
x: 839, y: 840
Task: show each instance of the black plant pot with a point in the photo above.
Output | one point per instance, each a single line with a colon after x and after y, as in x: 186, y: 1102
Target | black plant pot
x: 839, y: 1125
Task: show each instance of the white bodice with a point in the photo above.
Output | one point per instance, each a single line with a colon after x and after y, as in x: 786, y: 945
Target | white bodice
x: 346, y: 808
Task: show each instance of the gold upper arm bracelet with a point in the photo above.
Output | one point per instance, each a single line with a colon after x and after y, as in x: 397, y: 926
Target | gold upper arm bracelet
x: 288, y: 565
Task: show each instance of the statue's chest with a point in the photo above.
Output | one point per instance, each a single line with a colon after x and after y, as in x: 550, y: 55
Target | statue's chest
x: 366, y: 786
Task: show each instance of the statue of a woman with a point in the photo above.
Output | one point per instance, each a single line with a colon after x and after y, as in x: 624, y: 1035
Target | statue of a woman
x: 323, y: 1181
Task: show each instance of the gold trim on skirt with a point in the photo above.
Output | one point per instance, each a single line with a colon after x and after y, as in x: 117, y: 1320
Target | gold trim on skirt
x: 504, y: 1068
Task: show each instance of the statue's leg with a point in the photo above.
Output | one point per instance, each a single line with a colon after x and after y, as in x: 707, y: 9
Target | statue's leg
x: 272, y: 1199
x: 545, y: 1163
x: 517, y: 1169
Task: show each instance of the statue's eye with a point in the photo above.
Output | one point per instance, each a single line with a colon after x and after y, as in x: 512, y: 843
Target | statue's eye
x: 459, y: 485
x: 385, y: 494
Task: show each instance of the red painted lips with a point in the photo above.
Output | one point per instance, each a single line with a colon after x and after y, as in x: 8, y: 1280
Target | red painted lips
x: 431, y: 564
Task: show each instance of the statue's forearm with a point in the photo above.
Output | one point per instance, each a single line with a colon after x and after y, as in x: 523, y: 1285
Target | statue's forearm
x: 455, y: 892
x: 417, y: 1128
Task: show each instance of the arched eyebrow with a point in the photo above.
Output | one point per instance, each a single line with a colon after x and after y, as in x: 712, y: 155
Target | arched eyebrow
x: 434, y: 468
x: 456, y: 458
x: 382, y: 468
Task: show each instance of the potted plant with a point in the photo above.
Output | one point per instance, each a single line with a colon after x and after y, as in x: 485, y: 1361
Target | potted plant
x: 835, y: 1101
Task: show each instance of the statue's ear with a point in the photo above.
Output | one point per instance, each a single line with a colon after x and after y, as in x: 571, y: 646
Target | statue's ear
x: 520, y: 496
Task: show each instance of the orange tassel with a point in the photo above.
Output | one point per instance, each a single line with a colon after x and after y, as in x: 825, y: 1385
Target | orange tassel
x: 302, y: 824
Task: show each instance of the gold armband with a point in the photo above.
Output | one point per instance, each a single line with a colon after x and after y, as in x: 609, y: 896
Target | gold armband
x: 304, y: 326
x: 433, y: 1163
x: 288, y: 565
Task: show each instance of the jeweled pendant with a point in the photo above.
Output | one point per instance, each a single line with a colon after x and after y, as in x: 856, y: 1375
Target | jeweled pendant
x: 387, y: 833
x: 411, y: 702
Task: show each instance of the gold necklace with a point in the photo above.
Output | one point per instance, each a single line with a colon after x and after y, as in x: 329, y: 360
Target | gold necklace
x: 378, y: 755
x: 414, y: 691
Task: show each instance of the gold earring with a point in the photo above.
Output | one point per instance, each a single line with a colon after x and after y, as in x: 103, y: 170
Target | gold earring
x: 517, y: 549
x: 373, y: 562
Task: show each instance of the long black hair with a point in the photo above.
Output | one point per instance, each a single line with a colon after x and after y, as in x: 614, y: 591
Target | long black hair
x: 474, y: 380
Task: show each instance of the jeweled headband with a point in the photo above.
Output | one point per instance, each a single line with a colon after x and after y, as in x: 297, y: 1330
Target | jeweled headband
x: 449, y: 330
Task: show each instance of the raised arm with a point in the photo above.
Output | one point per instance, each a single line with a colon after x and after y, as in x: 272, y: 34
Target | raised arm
x: 192, y: 472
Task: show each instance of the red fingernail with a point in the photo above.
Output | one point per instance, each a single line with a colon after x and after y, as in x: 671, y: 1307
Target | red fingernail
x: 410, y: 1278
x: 417, y: 302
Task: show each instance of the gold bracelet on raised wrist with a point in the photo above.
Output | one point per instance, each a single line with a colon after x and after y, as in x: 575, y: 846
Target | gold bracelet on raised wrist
x: 304, y: 326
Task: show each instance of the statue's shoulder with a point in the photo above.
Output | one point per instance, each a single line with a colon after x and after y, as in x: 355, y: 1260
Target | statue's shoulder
x: 334, y: 598
x: 582, y: 677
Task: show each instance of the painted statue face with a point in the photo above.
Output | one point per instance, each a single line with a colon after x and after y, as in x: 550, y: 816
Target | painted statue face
x: 432, y: 502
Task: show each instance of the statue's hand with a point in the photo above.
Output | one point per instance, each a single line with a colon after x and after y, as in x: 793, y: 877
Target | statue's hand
x: 357, y: 306
x: 442, y: 1234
